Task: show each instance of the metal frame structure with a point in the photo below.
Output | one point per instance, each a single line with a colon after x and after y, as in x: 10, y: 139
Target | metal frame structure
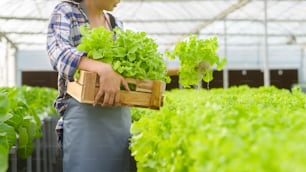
x: 201, y: 22
x: 268, y: 22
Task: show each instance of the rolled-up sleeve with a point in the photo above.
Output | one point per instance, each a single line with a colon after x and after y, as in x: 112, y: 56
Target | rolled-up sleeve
x: 63, y: 56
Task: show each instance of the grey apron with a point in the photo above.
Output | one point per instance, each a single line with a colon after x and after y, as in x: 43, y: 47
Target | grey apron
x: 96, y: 138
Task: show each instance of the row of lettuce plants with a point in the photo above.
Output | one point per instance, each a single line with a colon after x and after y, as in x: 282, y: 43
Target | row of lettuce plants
x: 235, y: 129
x: 21, y: 111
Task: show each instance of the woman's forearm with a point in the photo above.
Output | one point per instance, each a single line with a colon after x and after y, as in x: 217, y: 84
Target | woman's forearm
x: 92, y: 65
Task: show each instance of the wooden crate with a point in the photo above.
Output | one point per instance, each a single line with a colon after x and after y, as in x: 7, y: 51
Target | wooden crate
x: 148, y: 93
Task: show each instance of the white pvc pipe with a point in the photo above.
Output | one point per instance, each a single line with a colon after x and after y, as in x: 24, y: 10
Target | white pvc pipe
x: 225, y: 69
x: 266, y: 47
x: 302, y: 65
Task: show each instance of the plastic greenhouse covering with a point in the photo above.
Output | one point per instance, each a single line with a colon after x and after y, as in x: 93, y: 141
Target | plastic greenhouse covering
x: 24, y: 22
x: 263, y: 41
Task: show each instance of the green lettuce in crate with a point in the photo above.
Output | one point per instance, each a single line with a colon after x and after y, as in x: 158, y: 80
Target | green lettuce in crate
x: 131, y: 54
x: 197, y: 57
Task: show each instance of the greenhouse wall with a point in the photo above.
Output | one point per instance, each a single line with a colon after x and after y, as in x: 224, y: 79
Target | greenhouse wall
x: 239, y: 57
x: 253, y: 57
x: 39, y: 62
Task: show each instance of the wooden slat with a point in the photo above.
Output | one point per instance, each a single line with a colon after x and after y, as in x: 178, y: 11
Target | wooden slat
x: 87, y: 78
x: 75, y: 90
x: 148, y: 93
x: 155, y: 97
x: 141, y: 85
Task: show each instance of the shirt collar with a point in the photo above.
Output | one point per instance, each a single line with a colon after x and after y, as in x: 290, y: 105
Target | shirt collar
x: 81, y: 6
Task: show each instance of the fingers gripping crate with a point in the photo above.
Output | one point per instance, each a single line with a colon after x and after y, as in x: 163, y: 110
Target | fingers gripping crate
x: 148, y: 93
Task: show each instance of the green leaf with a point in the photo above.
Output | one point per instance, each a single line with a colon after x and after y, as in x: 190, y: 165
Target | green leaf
x: 221, y: 64
x: 26, y: 150
x: 4, y: 118
x: 4, y: 153
x: 30, y: 125
x: 4, y: 107
x: 23, y: 137
x: 16, y: 118
x: 97, y: 54
x: 25, y: 145
x: 7, y: 135
x: 208, y: 76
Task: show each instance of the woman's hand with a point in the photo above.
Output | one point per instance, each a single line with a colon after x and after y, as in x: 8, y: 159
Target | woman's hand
x: 110, y: 83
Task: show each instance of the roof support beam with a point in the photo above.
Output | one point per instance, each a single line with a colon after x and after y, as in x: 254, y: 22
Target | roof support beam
x: 220, y: 16
x: 247, y: 44
x: 168, y: 20
x: 30, y: 43
x: 161, y: 0
x: 23, y: 18
x: 183, y: 33
x: 228, y: 34
x: 200, y: 0
x: 167, y: 44
x: 25, y: 33
x: 207, y: 20
x: 8, y: 40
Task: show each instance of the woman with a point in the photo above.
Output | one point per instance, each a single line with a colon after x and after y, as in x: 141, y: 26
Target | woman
x: 95, y: 137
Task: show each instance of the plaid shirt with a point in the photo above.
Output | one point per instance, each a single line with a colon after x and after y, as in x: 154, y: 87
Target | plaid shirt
x: 62, y: 39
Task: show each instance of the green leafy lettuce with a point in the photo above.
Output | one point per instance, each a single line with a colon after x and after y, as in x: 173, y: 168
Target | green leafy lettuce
x: 21, y: 112
x: 196, y: 58
x: 237, y: 129
x: 131, y: 54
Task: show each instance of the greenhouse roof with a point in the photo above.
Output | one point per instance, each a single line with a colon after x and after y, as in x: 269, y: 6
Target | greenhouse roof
x: 24, y: 22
